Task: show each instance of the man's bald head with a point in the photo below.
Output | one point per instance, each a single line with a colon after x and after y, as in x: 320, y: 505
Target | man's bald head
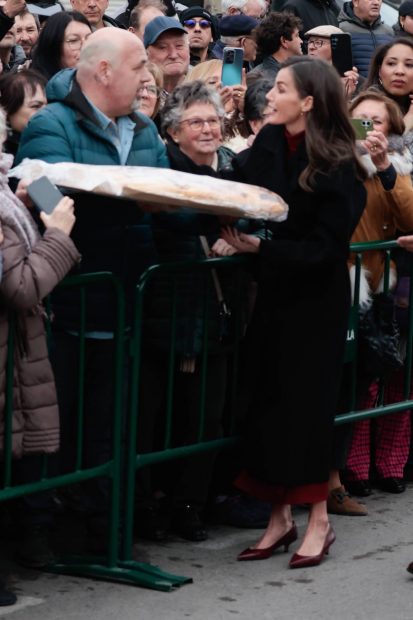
x: 111, y: 70
x: 109, y: 45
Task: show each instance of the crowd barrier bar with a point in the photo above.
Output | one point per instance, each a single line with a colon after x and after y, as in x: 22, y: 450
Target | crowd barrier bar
x: 106, y: 567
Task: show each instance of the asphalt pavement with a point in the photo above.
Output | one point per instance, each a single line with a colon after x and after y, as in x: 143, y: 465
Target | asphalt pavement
x: 364, y: 577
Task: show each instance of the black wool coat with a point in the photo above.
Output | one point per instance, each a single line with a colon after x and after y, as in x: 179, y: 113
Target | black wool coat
x: 297, y: 335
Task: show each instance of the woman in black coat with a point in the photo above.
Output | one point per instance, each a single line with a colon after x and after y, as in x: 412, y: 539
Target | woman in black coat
x: 298, y: 331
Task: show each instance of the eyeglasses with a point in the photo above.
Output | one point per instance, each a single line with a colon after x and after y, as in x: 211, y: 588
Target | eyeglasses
x: 76, y: 42
x: 151, y: 90
x: 197, y: 124
x: 202, y: 23
x: 317, y: 43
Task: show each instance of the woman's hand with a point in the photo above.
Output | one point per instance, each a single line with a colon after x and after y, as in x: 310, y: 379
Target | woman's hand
x: 408, y: 118
x: 238, y: 95
x: 350, y: 81
x: 241, y: 242
x: 406, y: 242
x: 22, y: 195
x: 62, y: 216
x: 377, y: 144
x: 222, y: 248
x: 227, y: 98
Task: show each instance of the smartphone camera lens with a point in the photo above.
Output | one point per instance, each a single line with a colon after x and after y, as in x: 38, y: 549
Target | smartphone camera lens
x: 230, y: 57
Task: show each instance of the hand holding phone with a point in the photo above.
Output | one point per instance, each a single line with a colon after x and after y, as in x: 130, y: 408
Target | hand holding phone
x: 377, y: 146
x: 62, y: 216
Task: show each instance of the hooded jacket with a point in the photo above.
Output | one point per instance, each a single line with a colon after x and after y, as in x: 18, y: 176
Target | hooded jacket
x: 384, y: 214
x: 111, y: 234
x: 365, y: 38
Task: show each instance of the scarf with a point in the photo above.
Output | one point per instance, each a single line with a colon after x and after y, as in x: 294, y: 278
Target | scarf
x: 13, y: 213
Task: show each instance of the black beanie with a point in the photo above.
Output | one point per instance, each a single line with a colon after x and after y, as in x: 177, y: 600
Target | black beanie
x: 198, y: 11
x: 406, y: 8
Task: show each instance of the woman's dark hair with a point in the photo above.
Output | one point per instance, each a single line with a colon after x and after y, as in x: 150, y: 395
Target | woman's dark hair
x: 373, y: 78
x: 255, y: 100
x: 13, y: 88
x: 396, y: 122
x: 276, y: 25
x: 329, y: 136
x: 47, y: 53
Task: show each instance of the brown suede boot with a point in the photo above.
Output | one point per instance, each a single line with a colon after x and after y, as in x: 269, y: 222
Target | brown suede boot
x: 339, y: 502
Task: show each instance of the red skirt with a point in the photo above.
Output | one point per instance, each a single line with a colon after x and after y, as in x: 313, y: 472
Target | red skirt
x: 280, y: 494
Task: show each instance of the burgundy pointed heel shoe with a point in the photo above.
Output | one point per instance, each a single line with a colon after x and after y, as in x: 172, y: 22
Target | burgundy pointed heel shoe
x: 305, y: 561
x: 262, y: 554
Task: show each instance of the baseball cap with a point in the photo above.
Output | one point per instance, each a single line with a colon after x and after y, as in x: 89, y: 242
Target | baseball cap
x: 158, y: 26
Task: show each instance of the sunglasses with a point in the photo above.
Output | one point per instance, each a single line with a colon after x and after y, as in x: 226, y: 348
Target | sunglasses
x: 203, y: 23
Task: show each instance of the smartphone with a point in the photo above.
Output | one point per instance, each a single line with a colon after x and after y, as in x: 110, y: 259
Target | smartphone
x: 341, y: 53
x: 361, y: 126
x: 44, y: 194
x: 232, y: 62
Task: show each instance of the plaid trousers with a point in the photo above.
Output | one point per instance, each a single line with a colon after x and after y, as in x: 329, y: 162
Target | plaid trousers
x: 391, y: 436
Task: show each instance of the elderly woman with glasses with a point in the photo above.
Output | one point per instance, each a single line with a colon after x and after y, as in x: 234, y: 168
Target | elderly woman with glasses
x: 192, y: 125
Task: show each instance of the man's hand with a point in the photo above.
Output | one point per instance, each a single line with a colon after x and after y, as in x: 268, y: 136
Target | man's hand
x: 350, y: 81
x: 13, y: 7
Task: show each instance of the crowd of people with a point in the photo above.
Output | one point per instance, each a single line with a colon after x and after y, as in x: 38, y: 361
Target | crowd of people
x: 145, y: 89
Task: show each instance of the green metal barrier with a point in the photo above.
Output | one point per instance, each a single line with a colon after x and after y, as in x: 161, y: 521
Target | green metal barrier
x: 136, y: 461
x: 351, y: 350
x: 119, y: 564
x: 106, y: 567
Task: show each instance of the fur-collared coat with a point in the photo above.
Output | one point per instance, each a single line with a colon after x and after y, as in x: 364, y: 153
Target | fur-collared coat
x: 385, y: 213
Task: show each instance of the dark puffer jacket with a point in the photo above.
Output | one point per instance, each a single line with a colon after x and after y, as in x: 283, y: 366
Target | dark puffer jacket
x: 313, y: 12
x: 365, y: 38
x: 111, y: 234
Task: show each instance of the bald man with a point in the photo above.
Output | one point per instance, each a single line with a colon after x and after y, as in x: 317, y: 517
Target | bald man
x: 92, y: 119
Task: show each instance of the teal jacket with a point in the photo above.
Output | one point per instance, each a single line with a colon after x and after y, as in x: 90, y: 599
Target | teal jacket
x: 66, y: 130
x: 111, y: 234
